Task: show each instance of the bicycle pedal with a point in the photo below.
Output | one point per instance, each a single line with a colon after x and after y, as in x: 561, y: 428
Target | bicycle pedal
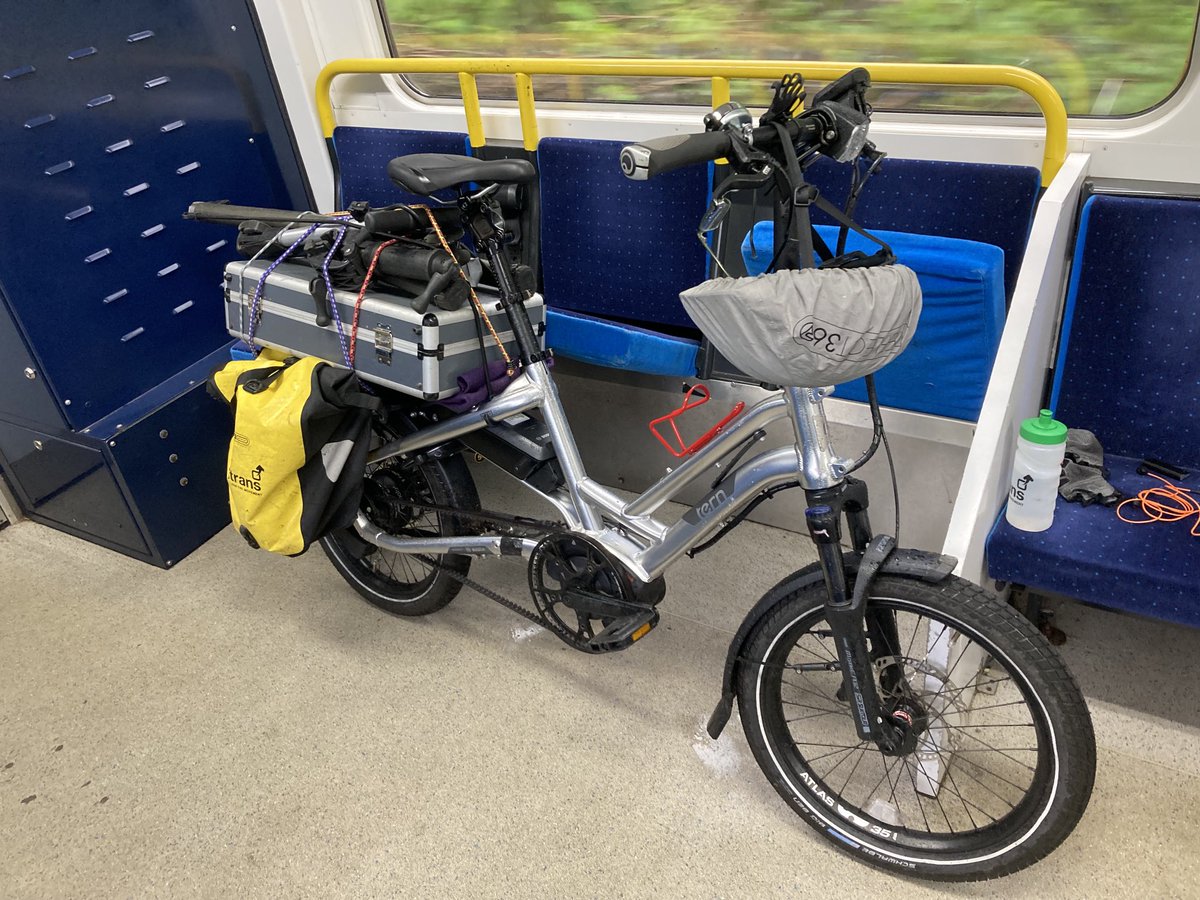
x: 622, y: 632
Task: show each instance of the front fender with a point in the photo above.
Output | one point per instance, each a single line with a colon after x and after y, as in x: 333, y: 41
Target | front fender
x: 920, y: 564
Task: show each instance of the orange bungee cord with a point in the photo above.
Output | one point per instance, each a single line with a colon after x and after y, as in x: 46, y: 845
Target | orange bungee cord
x: 1169, y: 503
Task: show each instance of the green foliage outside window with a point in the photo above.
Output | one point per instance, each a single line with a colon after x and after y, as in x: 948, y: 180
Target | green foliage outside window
x: 1104, y: 57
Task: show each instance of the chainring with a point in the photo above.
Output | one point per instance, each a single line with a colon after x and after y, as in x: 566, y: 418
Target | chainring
x: 578, y: 588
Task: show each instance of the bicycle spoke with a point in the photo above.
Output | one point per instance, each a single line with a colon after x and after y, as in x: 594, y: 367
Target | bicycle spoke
x: 813, y: 759
x: 946, y: 765
x: 909, y: 768
x: 814, y: 693
x: 806, y: 706
x: 854, y: 768
x: 817, y: 715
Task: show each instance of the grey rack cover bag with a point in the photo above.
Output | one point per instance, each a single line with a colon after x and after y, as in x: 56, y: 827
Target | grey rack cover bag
x: 809, y: 327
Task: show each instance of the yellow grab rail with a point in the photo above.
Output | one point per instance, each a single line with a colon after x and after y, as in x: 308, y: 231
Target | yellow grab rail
x: 719, y: 71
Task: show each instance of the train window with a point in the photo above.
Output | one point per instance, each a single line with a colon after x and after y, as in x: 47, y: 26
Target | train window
x: 1106, y: 58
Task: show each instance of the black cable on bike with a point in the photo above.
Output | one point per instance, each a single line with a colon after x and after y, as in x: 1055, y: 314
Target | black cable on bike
x: 887, y: 451
x: 878, y: 434
x: 856, y: 185
x: 740, y: 517
x: 876, y: 426
x: 881, y: 434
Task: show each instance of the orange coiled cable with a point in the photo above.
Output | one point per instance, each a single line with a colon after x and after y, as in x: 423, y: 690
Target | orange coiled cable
x: 1169, y: 503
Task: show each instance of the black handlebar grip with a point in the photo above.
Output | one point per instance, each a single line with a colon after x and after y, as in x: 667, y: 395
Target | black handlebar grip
x: 228, y: 214
x: 404, y: 220
x: 412, y: 263
x: 395, y: 221
x: 437, y: 284
x: 650, y: 158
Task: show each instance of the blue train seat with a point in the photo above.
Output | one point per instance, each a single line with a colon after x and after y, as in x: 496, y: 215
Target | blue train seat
x: 984, y: 202
x: 363, y: 154
x: 1128, y: 369
x: 944, y: 371
x: 618, y: 249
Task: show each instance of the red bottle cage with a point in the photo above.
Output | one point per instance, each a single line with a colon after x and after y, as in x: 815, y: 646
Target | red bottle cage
x: 680, y: 448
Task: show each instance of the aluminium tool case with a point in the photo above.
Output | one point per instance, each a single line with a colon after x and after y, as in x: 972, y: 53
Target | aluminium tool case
x: 418, y: 354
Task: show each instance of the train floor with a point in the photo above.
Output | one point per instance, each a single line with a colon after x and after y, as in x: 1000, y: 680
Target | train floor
x: 245, y: 725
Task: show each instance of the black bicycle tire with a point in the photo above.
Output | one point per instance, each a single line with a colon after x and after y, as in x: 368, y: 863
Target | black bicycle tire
x: 450, y: 483
x: 1062, y: 704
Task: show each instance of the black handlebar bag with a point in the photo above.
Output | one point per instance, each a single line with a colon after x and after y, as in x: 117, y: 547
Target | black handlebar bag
x: 302, y: 431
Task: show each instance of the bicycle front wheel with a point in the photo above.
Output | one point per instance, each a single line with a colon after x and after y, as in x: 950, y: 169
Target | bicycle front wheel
x: 998, y: 759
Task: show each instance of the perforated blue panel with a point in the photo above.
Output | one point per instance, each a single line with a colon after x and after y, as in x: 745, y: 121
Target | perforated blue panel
x: 615, y: 247
x: 116, y: 117
x: 1129, y: 368
x: 1091, y: 554
x: 363, y: 155
x: 981, y: 202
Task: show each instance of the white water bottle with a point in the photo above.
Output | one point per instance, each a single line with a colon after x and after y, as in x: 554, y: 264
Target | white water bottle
x: 1033, y: 490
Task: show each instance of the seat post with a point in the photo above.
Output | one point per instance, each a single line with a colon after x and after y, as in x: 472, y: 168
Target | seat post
x: 485, y: 222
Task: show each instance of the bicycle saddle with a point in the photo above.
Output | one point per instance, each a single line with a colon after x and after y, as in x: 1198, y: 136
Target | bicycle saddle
x: 424, y: 173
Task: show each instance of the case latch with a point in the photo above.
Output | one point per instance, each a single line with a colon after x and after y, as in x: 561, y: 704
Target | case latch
x: 383, y: 345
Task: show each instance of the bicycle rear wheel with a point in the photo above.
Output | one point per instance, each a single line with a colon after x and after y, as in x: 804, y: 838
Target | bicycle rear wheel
x: 999, y: 757
x: 394, y: 494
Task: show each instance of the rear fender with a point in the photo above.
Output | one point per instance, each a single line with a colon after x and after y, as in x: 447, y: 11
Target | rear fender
x: 919, y: 564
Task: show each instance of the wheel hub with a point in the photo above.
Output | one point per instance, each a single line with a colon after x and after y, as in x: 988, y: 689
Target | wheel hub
x: 388, y: 501
x: 909, y: 721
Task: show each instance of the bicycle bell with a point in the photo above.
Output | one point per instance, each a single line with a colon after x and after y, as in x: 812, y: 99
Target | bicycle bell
x: 729, y: 117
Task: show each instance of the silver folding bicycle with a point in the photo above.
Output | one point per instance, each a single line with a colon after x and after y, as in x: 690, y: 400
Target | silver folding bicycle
x: 914, y: 719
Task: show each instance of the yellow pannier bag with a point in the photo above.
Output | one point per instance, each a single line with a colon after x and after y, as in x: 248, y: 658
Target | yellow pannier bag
x: 301, y: 432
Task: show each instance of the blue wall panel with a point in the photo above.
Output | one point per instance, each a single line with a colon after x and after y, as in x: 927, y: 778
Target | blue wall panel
x: 117, y: 116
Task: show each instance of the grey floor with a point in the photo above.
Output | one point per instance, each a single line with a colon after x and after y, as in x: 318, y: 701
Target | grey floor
x: 244, y: 725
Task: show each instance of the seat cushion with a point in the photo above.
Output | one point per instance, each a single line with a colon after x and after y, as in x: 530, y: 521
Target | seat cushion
x: 428, y: 173
x: 619, y: 346
x: 1090, y: 554
x: 944, y: 370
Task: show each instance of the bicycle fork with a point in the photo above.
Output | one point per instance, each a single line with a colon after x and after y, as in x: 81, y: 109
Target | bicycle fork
x: 845, y: 611
x: 830, y: 493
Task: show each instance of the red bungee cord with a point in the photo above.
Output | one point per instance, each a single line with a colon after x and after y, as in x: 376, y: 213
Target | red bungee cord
x: 362, y: 292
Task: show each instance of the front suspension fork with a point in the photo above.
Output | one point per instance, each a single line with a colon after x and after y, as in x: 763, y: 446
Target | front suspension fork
x: 845, y: 611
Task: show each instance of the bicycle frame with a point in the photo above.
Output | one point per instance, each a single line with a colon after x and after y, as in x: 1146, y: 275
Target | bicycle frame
x: 627, y: 529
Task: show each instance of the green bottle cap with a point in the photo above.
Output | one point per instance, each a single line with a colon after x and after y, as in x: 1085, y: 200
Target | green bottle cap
x: 1044, y: 429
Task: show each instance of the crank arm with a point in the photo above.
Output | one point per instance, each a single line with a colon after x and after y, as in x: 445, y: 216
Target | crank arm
x: 598, y: 606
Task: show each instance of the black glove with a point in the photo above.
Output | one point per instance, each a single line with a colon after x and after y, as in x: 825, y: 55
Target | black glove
x: 1084, y: 484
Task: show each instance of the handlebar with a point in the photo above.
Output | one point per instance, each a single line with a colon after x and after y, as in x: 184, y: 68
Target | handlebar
x: 654, y: 157
x: 836, y: 123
